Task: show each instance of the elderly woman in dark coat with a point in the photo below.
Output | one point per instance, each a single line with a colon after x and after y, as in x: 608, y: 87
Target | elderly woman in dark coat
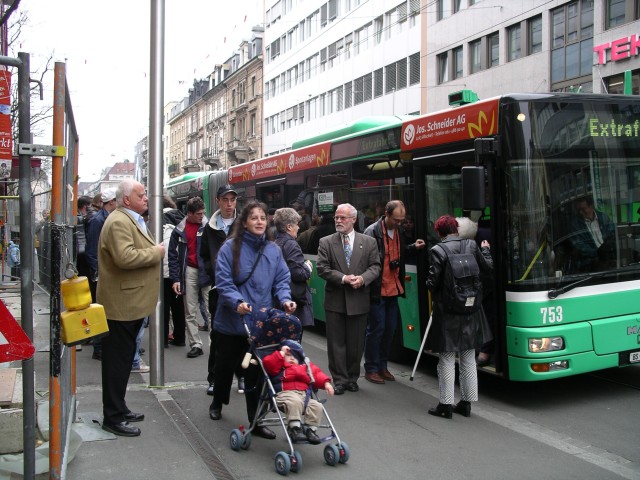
x: 286, y: 222
x: 453, y: 333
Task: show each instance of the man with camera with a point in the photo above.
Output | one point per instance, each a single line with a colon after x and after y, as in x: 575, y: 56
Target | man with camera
x: 384, y: 311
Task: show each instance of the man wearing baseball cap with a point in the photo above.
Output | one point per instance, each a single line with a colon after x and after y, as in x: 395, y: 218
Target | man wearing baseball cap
x: 93, y: 228
x: 215, y: 233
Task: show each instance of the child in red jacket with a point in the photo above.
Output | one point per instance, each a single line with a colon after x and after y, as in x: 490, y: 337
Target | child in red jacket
x: 291, y: 380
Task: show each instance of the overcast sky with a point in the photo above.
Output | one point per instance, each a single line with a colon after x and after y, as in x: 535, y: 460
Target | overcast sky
x: 106, y: 49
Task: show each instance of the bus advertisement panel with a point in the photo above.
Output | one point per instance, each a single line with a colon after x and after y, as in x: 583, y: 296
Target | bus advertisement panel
x: 294, y: 161
x: 459, y: 124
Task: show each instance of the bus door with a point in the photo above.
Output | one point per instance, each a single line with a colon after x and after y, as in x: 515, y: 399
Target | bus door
x: 439, y: 192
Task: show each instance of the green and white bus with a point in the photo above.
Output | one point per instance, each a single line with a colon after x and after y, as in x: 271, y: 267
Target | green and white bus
x: 521, y: 164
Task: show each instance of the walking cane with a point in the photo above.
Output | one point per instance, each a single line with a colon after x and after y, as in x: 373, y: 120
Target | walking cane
x: 424, y: 340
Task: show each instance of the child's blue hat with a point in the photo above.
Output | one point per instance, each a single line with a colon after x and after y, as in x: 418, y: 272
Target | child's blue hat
x: 296, y: 349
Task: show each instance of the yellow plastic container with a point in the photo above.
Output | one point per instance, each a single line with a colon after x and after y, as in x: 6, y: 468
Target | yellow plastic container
x: 75, y: 293
x: 80, y: 325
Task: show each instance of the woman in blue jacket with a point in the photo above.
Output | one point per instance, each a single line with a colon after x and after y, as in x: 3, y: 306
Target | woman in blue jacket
x: 250, y: 274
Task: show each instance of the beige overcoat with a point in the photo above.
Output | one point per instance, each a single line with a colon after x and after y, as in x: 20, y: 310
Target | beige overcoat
x: 130, y: 268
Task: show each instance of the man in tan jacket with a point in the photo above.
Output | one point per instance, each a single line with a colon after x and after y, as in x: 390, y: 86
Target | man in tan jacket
x: 129, y: 261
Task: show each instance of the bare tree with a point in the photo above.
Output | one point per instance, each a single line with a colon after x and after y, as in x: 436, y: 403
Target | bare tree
x: 42, y: 115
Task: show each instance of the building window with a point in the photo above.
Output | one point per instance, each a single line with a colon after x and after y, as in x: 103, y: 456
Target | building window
x: 252, y: 125
x: 514, y: 43
x: 615, y: 13
x: 358, y: 93
x: 414, y: 69
x: 457, y: 63
x: 443, y: 9
x: 572, y: 44
x: 391, y: 78
x: 378, y: 83
x: 475, y: 56
x: 494, y: 49
x: 367, y: 87
x: 534, y: 27
x: 378, y: 27
x: 253, y: 86
x: 348, y: 95
x: 443, y: 68
x: 457, y: 4
x: 401, y: 74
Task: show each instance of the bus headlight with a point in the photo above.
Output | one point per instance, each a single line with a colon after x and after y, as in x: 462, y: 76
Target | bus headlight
x: 546, y: 344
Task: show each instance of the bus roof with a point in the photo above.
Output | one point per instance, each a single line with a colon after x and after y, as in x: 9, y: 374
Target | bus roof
x: 365, y: 123
x: 186, y: 177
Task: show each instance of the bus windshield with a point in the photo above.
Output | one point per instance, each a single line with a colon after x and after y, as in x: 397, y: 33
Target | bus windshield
x: 572, y: 192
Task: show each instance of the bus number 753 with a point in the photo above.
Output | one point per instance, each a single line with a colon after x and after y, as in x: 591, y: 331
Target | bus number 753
x: 551, y: 314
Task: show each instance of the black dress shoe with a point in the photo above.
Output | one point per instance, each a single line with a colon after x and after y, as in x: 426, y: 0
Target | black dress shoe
x: 215, y: 412
x: 210, y: 389
x: 194, y: 352
x: 123, y: 429
x: 264, y: 432
x: 134, y: 417
x: 463, y: 408
x: 352, y: 387
x: 442, y: 410
x: 338, y: 389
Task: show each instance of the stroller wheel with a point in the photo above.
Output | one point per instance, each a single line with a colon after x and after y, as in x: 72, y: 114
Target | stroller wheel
x: 331, y: 454
x: 282, y: 463
x: 246, y: 441
x: 235, y: 439
x: 296, y: 462
x: 343, y: 448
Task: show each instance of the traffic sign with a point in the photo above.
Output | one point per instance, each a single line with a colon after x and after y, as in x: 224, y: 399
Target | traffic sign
x: 14, y: 343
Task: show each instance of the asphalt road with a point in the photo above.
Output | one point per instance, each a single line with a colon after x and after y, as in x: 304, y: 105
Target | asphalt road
x: 584, y: 427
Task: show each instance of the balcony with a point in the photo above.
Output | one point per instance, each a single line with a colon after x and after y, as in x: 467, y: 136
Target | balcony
x: 237, y: 149
x: 211, y: 156
x: 191, y: 165
x: 173, y: 169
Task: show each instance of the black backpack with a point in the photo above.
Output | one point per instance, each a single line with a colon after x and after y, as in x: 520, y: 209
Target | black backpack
x: 462, y: 288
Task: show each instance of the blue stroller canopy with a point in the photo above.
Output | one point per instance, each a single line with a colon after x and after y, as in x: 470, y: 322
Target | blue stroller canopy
x: 272, y: 326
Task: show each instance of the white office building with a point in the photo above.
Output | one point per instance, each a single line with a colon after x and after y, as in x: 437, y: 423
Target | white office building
x: 494, y: 47
x: 329, y: 63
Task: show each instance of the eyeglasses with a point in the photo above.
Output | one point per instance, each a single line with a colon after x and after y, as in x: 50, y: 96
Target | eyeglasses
x: 340, y: 218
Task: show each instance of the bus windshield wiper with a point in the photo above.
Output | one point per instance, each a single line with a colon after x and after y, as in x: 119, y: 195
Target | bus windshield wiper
x: 554, y: 292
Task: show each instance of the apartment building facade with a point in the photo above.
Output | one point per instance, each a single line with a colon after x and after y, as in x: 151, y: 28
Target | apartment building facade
x: 327, y: 63
x: 220, y: 123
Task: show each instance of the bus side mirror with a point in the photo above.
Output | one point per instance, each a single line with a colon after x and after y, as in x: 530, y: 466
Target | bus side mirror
x: 473, y: 197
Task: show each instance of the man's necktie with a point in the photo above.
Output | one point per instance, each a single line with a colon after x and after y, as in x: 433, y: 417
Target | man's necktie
x: 347, y: 249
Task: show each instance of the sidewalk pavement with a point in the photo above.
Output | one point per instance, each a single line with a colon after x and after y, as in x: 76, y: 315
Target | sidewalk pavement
x: 169, y: 447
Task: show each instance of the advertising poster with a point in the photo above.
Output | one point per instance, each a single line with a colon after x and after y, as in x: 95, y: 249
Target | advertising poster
x: 5, y: 124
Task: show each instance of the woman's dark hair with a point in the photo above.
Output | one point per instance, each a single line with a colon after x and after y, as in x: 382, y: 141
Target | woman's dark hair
x: 446, y: 225
x: 237, y: 233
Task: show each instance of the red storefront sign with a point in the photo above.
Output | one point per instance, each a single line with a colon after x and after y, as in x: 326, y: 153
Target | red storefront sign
x: 620, y: 49
x: 455, y: 125
x: 293, y: 161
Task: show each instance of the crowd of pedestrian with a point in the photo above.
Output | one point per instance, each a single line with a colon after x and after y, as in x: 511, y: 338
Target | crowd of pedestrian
x: 237, y: 262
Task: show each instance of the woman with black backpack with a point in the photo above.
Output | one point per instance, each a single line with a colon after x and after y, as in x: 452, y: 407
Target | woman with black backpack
x: 458, y: 321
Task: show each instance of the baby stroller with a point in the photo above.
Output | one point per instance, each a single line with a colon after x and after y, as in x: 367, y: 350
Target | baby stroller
x: 270, y: 328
